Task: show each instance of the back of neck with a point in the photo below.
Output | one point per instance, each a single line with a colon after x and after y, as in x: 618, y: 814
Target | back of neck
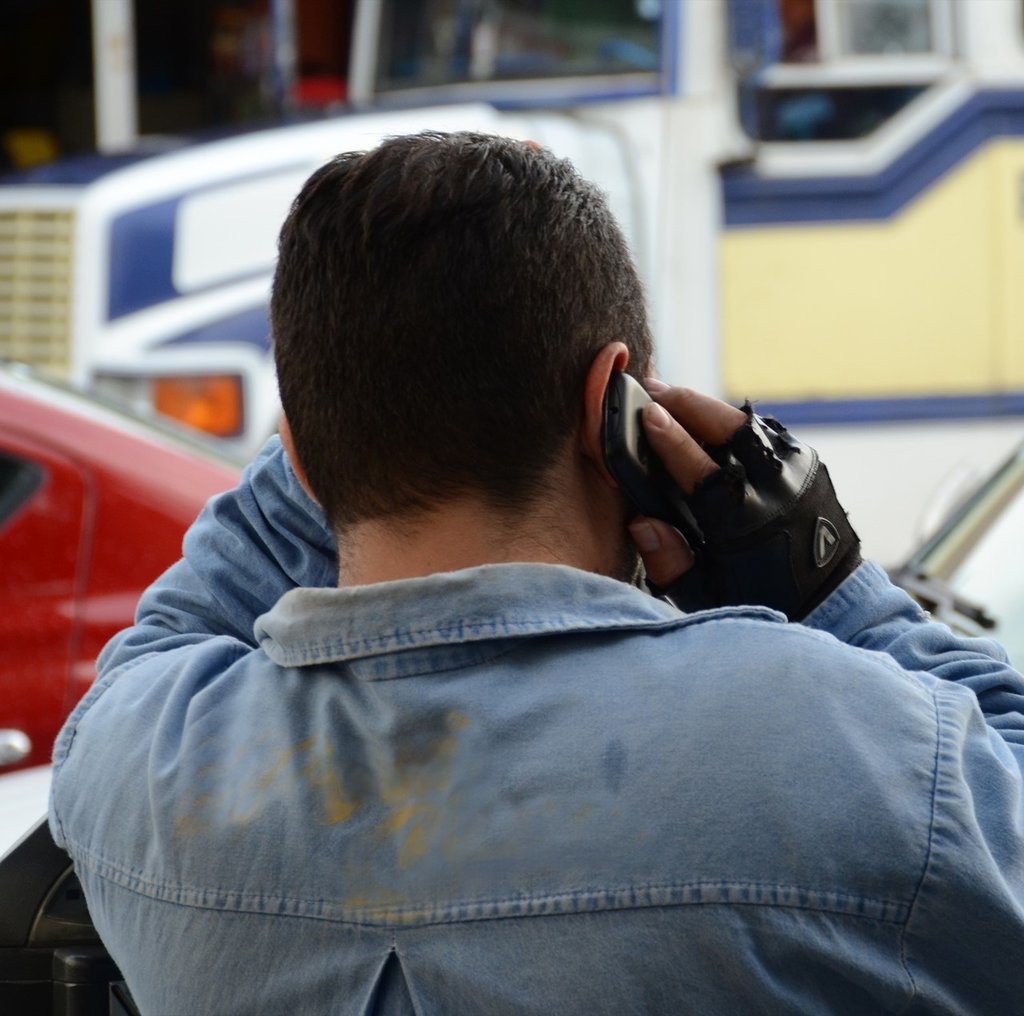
x: 460, y: 534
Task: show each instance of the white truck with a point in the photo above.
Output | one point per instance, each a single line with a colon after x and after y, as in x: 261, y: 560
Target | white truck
x: 827, y: 213
x: 150, y: 282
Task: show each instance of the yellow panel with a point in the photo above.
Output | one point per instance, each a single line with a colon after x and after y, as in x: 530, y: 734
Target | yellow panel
x: 869, y: 309
x: 1008, y: 232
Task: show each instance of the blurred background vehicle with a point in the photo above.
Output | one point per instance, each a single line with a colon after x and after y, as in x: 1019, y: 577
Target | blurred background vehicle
x: 93, y: 505
x: 822, y: 196
x: 970, y: 574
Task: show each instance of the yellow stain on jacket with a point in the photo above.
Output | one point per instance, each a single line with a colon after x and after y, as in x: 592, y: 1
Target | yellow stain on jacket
x: 416, y: 778
x: 322, y: 774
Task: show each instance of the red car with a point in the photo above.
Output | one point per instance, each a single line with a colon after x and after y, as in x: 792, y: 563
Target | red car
x: 93, y: 505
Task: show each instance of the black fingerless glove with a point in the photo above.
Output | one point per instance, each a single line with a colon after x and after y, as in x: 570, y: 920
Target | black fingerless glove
x: 769, y: 528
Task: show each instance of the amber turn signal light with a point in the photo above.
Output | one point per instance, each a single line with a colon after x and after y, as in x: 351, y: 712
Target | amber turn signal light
x: 212, y: 402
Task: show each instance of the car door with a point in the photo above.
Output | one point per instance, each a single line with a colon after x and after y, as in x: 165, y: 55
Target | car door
x: 44, y: 523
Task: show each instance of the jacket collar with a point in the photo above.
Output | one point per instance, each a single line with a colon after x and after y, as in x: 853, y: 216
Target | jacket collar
x: 473, y: 606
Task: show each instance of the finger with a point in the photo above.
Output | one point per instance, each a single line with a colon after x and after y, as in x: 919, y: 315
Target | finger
x: 687, y: 463
x: 707, y: 419
x: 666, y: 555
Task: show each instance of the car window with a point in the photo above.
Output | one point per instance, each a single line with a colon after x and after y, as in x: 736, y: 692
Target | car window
x: 981, y: 555
x: 991, y: 577
x: 18, y: 481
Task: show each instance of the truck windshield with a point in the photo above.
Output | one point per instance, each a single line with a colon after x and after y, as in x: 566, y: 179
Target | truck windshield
x: 444, y: 42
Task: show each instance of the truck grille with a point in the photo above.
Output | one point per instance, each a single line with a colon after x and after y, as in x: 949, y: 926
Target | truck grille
x: 35, y: 288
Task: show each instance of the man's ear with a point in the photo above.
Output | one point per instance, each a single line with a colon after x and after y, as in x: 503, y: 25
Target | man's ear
x: 613, y: 357
x: 289, y: 446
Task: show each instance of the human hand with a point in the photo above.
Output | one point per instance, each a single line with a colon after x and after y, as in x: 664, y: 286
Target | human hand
x: 770, y: 530
x: 678, y: 424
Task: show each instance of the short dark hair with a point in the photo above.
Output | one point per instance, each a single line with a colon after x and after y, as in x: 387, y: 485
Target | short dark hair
x: 436, y: 305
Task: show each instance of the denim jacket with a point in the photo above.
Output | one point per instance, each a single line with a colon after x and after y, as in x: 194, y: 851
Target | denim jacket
x: 525, y: 788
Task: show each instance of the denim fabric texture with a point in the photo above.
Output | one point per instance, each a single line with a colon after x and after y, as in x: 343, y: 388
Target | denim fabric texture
x: 525, y: 788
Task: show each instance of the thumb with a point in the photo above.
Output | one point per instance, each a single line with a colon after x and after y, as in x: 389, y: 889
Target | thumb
x: 666, y: 555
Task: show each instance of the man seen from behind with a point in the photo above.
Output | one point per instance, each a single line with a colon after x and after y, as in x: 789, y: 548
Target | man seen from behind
x: 401, y: 732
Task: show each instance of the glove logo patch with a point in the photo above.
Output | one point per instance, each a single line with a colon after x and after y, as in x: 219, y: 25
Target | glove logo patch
x: 826, y: 542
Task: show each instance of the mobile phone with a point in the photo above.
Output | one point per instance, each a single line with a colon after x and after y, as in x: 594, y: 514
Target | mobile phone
x: 638, y: 471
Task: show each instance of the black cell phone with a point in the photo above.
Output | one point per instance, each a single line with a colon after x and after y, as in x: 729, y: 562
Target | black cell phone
x: 638, y: 471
